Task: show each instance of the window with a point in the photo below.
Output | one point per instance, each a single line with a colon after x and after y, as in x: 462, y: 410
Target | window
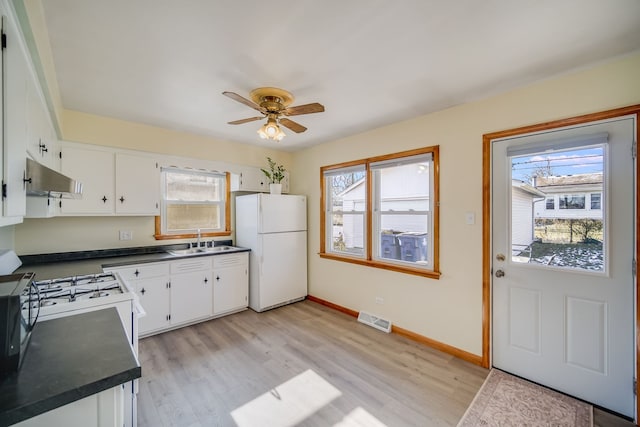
x: 382, y: 212
x: 550, y: 204
x: 595, y: 201
x: 571, y: 201
x: 193, y: 200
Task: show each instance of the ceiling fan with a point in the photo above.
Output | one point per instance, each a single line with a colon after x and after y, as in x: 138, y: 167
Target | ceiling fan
x: 274, y: 103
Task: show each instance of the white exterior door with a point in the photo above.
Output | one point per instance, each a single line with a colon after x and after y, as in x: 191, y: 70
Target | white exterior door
x: 563, y: 304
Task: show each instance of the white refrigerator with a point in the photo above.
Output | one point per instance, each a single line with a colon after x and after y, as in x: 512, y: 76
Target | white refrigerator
x: 274, y: 227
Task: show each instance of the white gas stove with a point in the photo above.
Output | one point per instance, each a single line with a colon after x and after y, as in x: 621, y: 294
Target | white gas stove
x: 79, y: 294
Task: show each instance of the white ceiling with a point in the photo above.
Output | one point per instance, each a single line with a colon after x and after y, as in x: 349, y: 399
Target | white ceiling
x: 369, y: 62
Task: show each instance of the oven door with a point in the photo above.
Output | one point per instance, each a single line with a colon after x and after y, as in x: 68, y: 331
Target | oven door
x: 29, y: 309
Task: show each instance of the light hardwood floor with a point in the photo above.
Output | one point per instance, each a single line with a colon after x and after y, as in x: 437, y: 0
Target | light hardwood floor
x: 305, y: 365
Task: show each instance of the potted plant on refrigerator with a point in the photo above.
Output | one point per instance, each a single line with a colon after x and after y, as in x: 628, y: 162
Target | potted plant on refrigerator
x: 275, y: 174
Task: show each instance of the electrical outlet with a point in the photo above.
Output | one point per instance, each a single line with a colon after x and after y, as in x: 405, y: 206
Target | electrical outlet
x: 126, y: 235
x: 379, y: 300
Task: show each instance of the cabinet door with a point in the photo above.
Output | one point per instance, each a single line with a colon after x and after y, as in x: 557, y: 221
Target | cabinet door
x: 191, y: 295
x: 135, y: 272
x: 40, y: 133
x: 137, y: 185
x: 95, y: 170
x: 16, y: 75
x: 154, y: 295
x: 230, y: 282
x: 252, y: 179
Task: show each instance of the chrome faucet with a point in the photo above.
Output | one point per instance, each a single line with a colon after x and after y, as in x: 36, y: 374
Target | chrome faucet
x: 198, y: 241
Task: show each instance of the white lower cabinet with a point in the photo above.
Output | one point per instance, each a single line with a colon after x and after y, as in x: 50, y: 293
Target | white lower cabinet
x: 230, y: 282
x: 188, y: 290
x: 152, y: 285
x: 191, y: 290
x: 104, y: 409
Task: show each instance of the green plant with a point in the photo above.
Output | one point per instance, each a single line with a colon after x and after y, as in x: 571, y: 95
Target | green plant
x: 275, y: 174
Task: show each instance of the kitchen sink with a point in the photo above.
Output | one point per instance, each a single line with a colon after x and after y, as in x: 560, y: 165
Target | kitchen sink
x: 203, y: 250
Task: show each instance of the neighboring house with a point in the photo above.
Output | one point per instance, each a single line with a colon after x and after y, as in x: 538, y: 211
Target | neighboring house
x: 353, y: 199
x: 570, y: 196
x: 524, y: 198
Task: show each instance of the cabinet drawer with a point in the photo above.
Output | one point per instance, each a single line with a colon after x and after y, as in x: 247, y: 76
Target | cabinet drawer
x: 142, y: 271
x: 191, y: 264
x: 221, y: 261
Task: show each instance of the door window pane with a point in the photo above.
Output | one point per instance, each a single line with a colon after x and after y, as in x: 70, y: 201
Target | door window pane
x: 571, y: 236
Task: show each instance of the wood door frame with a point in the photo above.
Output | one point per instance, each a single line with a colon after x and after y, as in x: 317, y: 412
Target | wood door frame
x: 486, y: 217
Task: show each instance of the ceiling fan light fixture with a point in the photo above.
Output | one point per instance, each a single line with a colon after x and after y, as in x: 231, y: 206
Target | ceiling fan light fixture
x: 271, y: 130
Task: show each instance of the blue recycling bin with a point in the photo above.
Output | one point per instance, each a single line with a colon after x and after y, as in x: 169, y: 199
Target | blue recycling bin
x: 413, y: 246
x: 389, y: 245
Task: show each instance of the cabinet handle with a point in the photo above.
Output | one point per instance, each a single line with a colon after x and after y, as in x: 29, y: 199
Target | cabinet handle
x: 104, y: 199
x: 217, y: 278
x: 43, y: 147
x: 121, y: 199
x: 206, y: 280
x: 142, y: 291
x: 136, y: 272
x: 25, y: 180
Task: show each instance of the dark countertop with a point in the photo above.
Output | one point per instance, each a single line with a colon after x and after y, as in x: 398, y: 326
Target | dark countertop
x: 68, y: 359
x: 53, y: 266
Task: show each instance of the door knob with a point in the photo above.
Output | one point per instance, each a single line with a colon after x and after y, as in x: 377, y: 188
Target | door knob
x: 499, y: 273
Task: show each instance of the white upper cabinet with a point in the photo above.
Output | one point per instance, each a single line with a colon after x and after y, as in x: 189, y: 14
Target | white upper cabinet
x: 95, y: 169
x: 41, y: 137
x: 252, y: 179
x: 114, y: 182
x: 137, y: 185
x: 15, y: 79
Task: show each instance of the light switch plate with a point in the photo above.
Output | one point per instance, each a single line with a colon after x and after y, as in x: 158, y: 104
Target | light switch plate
x: 470, y: 218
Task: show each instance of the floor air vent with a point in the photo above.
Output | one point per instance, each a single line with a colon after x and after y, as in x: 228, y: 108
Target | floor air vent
x: 374, y: 321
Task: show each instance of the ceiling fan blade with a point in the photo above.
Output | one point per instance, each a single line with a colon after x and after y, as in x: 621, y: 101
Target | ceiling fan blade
x: 290, y: 124
x: 304, y: 109
x: 241, y: 121
x: 243, y: 100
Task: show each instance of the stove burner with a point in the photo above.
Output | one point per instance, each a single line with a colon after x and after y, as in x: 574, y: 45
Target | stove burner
x: 47, y: 302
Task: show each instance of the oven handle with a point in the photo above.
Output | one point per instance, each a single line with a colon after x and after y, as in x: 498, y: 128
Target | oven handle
x: 31, y: 325
x: 137, y: 307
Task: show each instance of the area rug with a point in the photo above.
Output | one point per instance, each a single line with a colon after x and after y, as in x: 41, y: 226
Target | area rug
x: 505, y: 400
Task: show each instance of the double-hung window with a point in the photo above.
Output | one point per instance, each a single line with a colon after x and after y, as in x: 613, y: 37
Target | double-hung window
x: 192, y: 201
x: 383, y: 212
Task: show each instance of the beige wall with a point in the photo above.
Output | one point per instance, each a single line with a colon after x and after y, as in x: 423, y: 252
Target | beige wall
x: 449, y: 310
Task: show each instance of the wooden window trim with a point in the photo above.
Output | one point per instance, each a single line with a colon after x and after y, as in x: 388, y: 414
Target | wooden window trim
x: 227, y: 220
x: 368, y: 259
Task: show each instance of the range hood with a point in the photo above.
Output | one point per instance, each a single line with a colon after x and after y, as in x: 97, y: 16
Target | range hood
x: 45, y: 182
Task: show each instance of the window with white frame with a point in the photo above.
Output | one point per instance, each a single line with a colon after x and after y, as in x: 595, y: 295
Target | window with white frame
x: 550, y: 203
x: 193, y: 200
x: 394, y: 230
